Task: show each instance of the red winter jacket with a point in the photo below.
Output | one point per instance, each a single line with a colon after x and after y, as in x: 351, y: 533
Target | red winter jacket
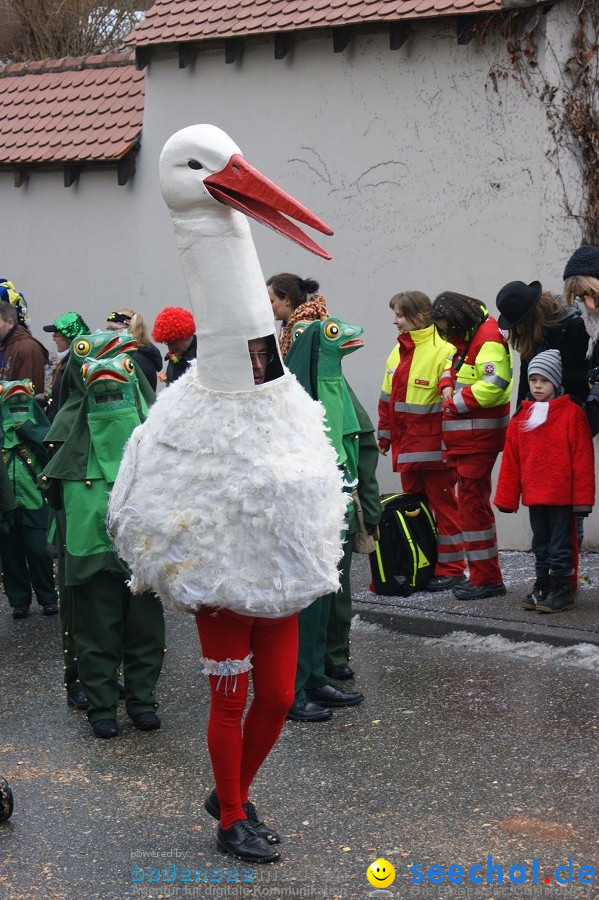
x: 552, y: 465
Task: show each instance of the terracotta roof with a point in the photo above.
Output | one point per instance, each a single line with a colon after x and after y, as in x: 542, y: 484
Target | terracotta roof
x: 173, y: 21
x: 70, y: 110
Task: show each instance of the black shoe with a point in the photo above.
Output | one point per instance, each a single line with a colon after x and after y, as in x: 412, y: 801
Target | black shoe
x: 443, y: 582
x: 105, y: 728
x: 77, y: 698
x: 212, y: 806
x: 20, y: 612
x: 539, y: 592
x: 328, y: 695
x: 339, y: 673
x: 478, y: 591
x: 50, y: 610
x: 560, y: 597
x: 242, y: 842
x: 304, y: 711
x: 147, y: 721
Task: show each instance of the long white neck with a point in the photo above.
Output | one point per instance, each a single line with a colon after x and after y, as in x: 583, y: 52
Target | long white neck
x: 227, y: 292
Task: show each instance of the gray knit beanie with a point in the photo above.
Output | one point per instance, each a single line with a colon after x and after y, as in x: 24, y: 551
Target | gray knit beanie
x: 549, y: 365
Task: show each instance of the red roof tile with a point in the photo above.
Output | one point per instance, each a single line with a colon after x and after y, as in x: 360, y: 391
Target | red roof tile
x: 170, y: 21
x: 71, y: 110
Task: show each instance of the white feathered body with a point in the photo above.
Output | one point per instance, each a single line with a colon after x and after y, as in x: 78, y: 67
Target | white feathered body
x: 231, y: 500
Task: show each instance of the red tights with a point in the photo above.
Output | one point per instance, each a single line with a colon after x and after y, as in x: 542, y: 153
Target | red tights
x: 238, y: 752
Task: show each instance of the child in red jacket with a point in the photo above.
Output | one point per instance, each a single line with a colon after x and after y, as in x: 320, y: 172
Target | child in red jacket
x: 548, y: 458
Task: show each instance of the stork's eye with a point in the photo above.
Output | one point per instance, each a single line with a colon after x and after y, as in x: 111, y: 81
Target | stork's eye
x: 82, y: 348
x: 127, y: 365
x: 194, y: 164
x: 331, y: 330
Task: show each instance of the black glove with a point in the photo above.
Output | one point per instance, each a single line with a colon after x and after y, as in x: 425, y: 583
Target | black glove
x: 503, y: 510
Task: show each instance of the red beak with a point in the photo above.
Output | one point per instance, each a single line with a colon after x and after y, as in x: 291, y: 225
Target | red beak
x: 246, y: 189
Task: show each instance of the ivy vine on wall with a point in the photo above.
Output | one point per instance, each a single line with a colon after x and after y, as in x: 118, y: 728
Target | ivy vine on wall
x: 571, y: 101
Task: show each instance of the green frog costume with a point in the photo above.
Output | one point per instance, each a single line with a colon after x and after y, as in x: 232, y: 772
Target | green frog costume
x: 109, y: 624
x: 315, y: 359
x: 26, y: 562
x: 98, y: 345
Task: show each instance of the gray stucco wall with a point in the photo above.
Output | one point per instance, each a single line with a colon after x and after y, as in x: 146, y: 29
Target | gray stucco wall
x: 431, y: 179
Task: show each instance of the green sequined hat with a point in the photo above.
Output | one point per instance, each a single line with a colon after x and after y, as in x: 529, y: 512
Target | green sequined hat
x: 70, y: 324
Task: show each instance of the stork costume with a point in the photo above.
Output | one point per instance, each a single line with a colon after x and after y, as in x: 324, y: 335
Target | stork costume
x: 253, y: 530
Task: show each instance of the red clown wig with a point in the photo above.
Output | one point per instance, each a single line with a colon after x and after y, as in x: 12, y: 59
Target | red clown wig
x: 173, y: 323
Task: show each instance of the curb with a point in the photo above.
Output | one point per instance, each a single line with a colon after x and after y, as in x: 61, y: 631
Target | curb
x: 422, y: 624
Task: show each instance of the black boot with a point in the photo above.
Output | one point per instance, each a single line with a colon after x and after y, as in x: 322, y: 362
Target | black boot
x: 539, y: 592
x: 560, y: 596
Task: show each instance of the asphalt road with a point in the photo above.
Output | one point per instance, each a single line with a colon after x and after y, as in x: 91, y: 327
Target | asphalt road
x: 461, y: 750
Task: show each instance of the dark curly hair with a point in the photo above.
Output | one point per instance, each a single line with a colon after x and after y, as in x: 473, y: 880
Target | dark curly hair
x: 462, y: 314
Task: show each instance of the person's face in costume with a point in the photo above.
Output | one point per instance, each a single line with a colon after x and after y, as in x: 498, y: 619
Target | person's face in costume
x: 281, y: 309
x: 115, y: 326
x: 180, y: 345
x: 260, y: 356
x: 62, y: 343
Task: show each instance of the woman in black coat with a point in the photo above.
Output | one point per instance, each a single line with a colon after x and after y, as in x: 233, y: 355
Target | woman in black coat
x: 538, y: 320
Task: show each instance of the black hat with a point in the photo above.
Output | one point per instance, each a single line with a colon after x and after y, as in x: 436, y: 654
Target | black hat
x: 517, y: 300
x: 584, y: 261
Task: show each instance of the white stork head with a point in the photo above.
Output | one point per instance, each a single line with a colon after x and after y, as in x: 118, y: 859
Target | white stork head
x: 206, y: 184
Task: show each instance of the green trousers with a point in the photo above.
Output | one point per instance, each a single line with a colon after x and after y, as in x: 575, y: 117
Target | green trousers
x: 337, y: 644
x: 312, y: 624
x: 110, y: 624
x: 27, y: 565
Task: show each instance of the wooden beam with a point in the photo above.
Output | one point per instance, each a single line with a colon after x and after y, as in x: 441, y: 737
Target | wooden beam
x: 21, y: 176
x: 187, y: 54
x: 142, y: 57
x: 233, y: 50
x: 399, y: 32
x: 283, y: 44
x: 71, y: 175
x: 341, y: 38
x: 464, y: 29
x: 126, y: 167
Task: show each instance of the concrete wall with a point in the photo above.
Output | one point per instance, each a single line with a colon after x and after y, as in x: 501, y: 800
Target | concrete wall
x: 431, y: 179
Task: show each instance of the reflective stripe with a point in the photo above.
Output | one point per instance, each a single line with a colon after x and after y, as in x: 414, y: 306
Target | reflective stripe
x: 445, y: 374
x: 495, y: 379
x: 472, y: 536
x: 450, y: 538
x: 418, y: 408
x: 385, y: 396
x: 471, y: 424
x: 384, y: 434
x: 432, y: 456
x: 450, y: 557
x: 473, y: 555
x: 460, y: 403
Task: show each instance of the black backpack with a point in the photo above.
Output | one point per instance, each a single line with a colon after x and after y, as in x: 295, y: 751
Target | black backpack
x: 405, y: 555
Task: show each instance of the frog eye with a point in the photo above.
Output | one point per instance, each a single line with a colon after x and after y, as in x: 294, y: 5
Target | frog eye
x: 82, y: 348
x: 1, y: 388
x: 84, y: 370
x: 298, y: 333
x: 331, y: 330
x: 30, y: 386
x: 128, y: 365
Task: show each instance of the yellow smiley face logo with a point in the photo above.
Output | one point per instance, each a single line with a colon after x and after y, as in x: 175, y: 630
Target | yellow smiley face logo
x: 380, y: 873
